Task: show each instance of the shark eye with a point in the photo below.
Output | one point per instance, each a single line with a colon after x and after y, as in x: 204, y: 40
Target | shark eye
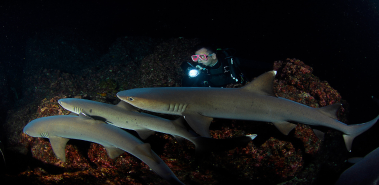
x: 130, y: 99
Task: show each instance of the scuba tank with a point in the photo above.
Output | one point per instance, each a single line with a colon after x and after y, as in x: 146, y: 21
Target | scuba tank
x: 235, y: 71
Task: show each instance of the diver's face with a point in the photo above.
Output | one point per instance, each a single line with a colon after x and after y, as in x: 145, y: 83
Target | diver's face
x: 211, y: 59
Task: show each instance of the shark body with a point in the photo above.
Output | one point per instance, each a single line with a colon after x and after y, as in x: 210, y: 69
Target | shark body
x: 126, y: 116
x: 59, y: 129
x: 365, y: 171
x: 255, y: 101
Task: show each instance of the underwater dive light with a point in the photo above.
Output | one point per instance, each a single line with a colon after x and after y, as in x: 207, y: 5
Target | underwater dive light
x: 193, y: 73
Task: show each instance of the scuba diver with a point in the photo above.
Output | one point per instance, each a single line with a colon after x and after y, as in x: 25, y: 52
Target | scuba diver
x: 220, y: 68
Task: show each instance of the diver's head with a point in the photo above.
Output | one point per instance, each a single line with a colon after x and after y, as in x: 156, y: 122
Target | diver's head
x: 205, y: 56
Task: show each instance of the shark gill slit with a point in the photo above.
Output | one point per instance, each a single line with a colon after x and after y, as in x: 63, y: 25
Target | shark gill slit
x: 45, y: 134
x: 77, y: 110
x: 177, y: 107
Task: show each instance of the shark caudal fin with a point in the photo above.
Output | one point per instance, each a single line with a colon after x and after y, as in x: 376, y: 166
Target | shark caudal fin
x: 356, y: 130
x: 204, y: 144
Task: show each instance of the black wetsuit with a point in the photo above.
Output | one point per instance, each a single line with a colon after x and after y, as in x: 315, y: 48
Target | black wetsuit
x: 220, y: 74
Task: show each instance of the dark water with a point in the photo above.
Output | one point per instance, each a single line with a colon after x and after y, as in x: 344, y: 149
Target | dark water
x: 339, y: 39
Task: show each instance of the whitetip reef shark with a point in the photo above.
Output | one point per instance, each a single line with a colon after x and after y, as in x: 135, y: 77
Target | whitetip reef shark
x: 60, y: 129
x: 364, y: 171
x: 255, y: 101
x: 126, y: 116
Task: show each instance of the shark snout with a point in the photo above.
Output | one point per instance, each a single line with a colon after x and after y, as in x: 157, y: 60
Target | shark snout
x: 63, y: 103
x: 28, y: 129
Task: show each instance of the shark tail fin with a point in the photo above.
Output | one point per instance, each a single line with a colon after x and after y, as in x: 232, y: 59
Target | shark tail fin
x: 204, y: 145
x: 355, y: 130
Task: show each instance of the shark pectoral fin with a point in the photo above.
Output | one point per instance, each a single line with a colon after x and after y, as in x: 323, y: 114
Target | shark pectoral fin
x: 113, y: 152
x: 126, y: 106
x: 85, y: 116
x: 179, y: 122
x: 145, y: 149
x: 284, y: 127
x: 199, y: 123
x: 319, y: 134
x: 59, y: 144
x: 145, y: 133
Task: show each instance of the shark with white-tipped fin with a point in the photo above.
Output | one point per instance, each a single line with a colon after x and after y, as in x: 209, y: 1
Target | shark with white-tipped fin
x: 255, y: 101
x: 126, y: 116
x: 60, y: 129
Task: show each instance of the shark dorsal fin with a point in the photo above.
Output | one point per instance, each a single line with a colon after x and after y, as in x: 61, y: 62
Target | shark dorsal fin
x: 126, y: 106
x: 330, y: 110
x: 263, y: 84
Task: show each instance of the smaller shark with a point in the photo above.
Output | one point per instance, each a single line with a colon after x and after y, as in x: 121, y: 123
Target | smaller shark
x: 255, y: 101
x: 126, y: 116
x: 60, y: 129
x: 365, y: 171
